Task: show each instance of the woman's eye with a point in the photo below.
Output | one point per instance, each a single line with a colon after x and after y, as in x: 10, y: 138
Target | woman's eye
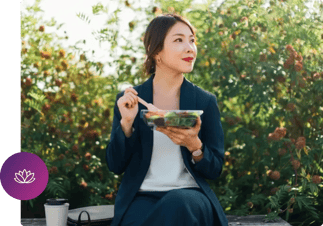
x: 193, y: 40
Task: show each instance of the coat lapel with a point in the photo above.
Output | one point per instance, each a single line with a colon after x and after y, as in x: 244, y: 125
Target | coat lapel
x: 187, y: 102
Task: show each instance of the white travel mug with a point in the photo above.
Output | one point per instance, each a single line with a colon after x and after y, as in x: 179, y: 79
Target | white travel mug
x: 56, y: 212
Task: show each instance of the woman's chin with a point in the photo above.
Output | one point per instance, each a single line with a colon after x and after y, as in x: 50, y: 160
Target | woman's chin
x: 188, y: 70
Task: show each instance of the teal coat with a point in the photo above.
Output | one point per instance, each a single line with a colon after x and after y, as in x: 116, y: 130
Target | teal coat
x: 132, y: 155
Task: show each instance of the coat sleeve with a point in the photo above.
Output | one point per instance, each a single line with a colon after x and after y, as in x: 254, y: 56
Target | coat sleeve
x: 210, y: 167
x: 120, y: 148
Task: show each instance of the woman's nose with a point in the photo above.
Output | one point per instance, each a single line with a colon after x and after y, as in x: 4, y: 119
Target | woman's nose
x: 189, y: 48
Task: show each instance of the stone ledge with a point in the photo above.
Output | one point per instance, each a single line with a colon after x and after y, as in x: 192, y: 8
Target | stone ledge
x: 252, y: 220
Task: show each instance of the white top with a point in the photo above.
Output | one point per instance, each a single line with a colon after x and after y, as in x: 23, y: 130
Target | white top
x: 167, y: 169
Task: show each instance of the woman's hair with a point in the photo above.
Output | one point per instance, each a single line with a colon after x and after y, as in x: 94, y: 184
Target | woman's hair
x: 155, y: 36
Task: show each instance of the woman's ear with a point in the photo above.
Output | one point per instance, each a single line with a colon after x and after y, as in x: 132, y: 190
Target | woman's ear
x: 155, y: 57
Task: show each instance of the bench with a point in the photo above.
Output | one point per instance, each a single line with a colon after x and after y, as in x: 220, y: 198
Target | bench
x: 251, y: 220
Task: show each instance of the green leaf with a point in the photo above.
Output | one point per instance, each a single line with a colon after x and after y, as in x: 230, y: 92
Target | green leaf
x: 256, y: 111
x: 59, y: 26
x: 83, y: 17
x: 313, y: 188
x: 96, y: 9
x: 299, y: 202
x: 31, y: 203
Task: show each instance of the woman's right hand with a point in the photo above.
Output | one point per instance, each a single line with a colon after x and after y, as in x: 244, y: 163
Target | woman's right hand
x: 128, y: 105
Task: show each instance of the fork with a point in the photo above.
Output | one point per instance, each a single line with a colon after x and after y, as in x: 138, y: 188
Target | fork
x: 150, y: 107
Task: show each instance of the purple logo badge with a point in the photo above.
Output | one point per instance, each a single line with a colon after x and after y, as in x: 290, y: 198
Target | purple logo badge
x: 24, y: 176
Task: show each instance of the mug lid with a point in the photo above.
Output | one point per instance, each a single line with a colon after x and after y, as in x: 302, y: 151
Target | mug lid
x: 54, y: 201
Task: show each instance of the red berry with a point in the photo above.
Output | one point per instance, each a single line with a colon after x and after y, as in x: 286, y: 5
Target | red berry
x: 289, y: 48
x: 299, y: 58
x: 92, y: 134
x: 58, y: 68
x: 82, y: 57
x: 62, y: 53
x: 28, y: 82
x: 156, y: 9
x: 131, y: 25
x: 109, y: 196
x: 127, y: 3
x: 53, y: 170
x: 46, y: 73
x: 58, y: 82
x: 243, y: 19
x: 300, y: 143
x: 46, y: 107
x: 83, y: 184
x: 88, y: 156
x: 273, y: 136
x: 275, y: 175
x: 64, y: 64
x: 86, y: 167
x: 106, y: 113
x: 316, y: 76
x: 75, y: 148
x: 45, y: 54
x: 24, y: 50
x: 286, y: 65
x: 282, y: 151
x: 269, y: 172
x: 281, y: 131
x: 296, y: 164
x: 316, y: 179
x: 74, y: 97
x: 67, y: 164
x: 61, y: 156
x: 298, y: 66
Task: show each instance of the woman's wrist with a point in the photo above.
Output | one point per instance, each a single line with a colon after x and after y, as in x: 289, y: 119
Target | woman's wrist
x: 126, y: 127
x: 197, y: 145
x: 198, y: 151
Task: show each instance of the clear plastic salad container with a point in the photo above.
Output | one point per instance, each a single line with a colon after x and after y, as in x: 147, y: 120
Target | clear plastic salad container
x: 183, y: 119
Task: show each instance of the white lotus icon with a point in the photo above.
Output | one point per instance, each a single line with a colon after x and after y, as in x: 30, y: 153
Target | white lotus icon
x: 24, y: 177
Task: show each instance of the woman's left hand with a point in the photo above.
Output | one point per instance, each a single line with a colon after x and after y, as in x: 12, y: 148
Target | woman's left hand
x: 184, y: 137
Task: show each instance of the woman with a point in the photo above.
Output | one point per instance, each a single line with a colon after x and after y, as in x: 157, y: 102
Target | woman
x: 165, y: 169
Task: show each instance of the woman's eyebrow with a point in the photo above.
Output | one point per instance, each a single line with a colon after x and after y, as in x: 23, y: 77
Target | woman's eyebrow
x: 182, y: 35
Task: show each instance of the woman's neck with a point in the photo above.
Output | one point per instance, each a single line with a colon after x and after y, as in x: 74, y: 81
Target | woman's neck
x: 167, y: 83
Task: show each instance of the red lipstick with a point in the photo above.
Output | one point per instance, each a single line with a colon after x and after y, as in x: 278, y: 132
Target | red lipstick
x: 188, y: 59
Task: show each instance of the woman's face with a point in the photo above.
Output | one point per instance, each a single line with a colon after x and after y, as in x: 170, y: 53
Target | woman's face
x: 178, y: 45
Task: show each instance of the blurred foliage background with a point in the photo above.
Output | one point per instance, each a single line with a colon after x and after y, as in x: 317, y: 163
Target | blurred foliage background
x: 263, y: 62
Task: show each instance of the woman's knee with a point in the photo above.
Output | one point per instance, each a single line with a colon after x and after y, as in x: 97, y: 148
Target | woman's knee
x: 183, y: 198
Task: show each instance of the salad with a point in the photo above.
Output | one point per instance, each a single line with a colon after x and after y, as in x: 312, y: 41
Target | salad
x: 173, y: 118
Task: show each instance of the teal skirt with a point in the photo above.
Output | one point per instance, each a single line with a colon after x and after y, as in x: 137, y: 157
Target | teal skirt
x: 185, y: 206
